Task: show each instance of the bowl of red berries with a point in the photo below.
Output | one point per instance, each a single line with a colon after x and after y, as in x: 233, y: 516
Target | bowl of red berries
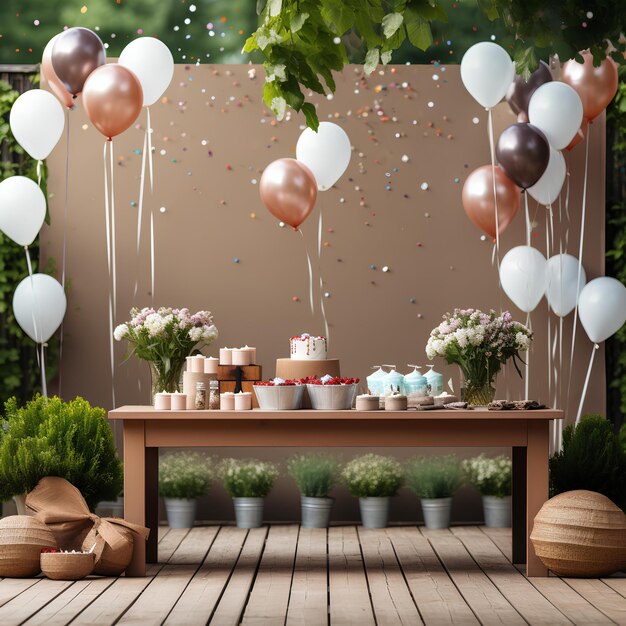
x: 331, y: 393
x: 279, y: 394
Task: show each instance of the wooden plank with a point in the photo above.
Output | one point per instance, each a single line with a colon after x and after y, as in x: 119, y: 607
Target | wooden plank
x: 349, y: 595
x: 201, y: 596
x: 163, y: 530
x: 67, y: 605
x: 270, y: 594
x: 502, y: 538
x: 617, y: 584
x: 603, y: 597
x: 485, y: 600
x: 13, y: 587
x: 20, y: 608
x: 528, y: 602
x: 308, y: 602
x: 170, y: 542
x: 438, y: 600
x: 235, y: 596
x: 160, y: 596
x: 391, y: 599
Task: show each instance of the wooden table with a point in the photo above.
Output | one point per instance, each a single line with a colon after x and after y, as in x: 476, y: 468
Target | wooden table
x: 146, y: 430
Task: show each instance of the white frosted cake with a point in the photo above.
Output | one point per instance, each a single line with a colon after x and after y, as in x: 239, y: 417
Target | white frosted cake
x: 306, y: 347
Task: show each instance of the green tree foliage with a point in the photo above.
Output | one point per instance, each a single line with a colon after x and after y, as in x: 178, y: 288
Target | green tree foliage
x: 592, y: 458
x: 49, y: 437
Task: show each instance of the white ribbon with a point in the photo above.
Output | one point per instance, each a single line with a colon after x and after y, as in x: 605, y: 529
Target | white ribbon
x: 495, y: 194
x: 140, y: 206
x: 319, y: 269
x: 110, y: 237
x: 528, y: 225
x: 527, y: 368
x: 584, y: 393
x: 150, y: 169
x: 308, y: 260
x: 44, y: 382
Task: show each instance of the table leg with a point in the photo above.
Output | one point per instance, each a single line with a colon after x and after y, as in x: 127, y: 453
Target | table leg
x: 135, y: 489
x: 152, y: 504
x: 537, y: 477
x: 518, y: 533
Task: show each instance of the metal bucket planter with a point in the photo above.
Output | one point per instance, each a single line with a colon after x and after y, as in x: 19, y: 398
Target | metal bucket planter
x: 316, y: 511
x: 248, y: 512
x: 181, y: 513
x: 374, y: 512
x: 497, y: 511
x: 436, y: 512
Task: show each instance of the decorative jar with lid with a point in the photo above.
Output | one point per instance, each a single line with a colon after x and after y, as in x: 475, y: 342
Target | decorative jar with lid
x: 392, y: 381
x: 414, y: 383
x: 374, y: 381
x: 435, y: 380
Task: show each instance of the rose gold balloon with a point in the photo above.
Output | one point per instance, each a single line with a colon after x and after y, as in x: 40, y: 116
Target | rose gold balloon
x: 112, y: 97
x: 596, y: 86
x: 289, y: 191
x: 522, y: 117
x: 56, y: 86
x: 478, y: 199
x: 579, y: 136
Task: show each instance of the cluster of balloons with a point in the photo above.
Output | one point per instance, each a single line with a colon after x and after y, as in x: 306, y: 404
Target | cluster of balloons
x: 73, y: 63
x: 552, y: 116
x: 289, y: 187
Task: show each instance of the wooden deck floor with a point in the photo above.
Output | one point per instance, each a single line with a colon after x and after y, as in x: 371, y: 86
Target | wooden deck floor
x: 287, y: 575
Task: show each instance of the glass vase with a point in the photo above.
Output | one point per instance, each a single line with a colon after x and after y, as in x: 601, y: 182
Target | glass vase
x: 169, y: 382
x: 479, y: 391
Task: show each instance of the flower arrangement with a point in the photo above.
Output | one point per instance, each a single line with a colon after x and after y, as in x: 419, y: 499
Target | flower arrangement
x: 433, y: 477
x: 165, y: 337
x: 314, y: 474
x: 373, y: 476
x: 185, y: 475
x: 480, y: 344
x: 247, y: 478
x: 491, y: 476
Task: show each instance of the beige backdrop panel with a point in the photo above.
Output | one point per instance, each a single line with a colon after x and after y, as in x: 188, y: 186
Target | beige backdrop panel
x: 212, y: 139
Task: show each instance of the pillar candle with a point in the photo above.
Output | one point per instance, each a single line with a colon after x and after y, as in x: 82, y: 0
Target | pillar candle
x: 252, y: 352
x: 210, y: 365
x: 197, y: 363
x: 240, y: 356
x: 227, y: 401
x: 226, y: 356
x: 179, y: 401
x: 243, y: 401
x: 162, y: 401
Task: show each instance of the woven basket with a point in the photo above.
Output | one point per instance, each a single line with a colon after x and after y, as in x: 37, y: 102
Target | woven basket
x: 580, y: 534
x: 67, y: 566
x: 22, y: 539
x: 110, y: 561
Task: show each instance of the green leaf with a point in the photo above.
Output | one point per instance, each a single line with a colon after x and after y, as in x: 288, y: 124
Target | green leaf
x: 391, y: 23
x: 489, y: 8
x: 418, y: 30
x: 297, y: 21
x: 366, y: 30
x: 385, y: 57
x: 371, y: 60
x: 310, y: 113
x: 260, y: 5
x: 338, y: 15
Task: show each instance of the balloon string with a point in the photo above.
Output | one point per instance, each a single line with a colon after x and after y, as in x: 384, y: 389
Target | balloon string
x: 580, y: 266
x: 527, y: 368
x: 36, y: 312
x: 152, y: 254
x: 495, y: 194
x: 39, y: 164
x: 149, y: 131
x: 113, y: 233
x: 528, y: 226
x: 142, y: 181
x: 567, y: 215
x: 319, y: 270
x: 152, y: 239
x: 584, y: 392
x: 308, y: 259
x: 107, y: 218
x: 44, y: 383
x: 548, y: 314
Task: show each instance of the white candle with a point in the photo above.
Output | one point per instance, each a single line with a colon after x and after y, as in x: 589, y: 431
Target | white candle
x: 243, y: 401
x: 252, y: 352
x: 210, y: 365
x: 226, y: 356
x: 197, y: 363
x: 240, y: 356
x: 179, y: 401
x: 227, y: 401
x: 162, y: 401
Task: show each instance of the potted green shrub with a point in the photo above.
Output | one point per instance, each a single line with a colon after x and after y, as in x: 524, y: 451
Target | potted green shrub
x: 50, y: 437
x: 183, y: 478
x: 492, y: 477
x: 434, y: 480
x: 315, y: 475
x: 248, y: 481
x: 593, y: 458
x: 373, y: 479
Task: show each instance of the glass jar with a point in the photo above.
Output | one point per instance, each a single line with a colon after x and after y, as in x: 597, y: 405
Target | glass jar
x: 200, y: 402
x: 392, y: 382
x: 414, y: 384
x: 214, y: 395
x: 435, y: 380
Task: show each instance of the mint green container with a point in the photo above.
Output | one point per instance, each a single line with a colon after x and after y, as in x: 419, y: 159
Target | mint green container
x: 414, y: 383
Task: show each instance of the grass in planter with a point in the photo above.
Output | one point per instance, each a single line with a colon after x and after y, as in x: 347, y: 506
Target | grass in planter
x: 314, y: 474
x: 373, y: 476
x: 430, y: 478
x: 491, y: 476
x: 184, y: 475
x: 247, y: 478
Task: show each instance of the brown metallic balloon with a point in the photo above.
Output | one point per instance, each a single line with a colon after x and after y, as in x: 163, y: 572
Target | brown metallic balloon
x: 56, y: 86
x: 523, y: 153
x: 519, y: 93
x: 288, y: 191
x: 579, y: 136
x: 112, y: 98
x: 75, y: 54
x: 596, y: 86
x: 478, y: 199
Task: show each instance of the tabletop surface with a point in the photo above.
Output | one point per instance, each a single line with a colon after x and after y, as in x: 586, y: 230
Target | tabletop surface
x: 149, y: 413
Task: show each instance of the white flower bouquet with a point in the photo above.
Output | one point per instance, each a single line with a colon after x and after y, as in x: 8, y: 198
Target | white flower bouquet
x: 480, y: 344
x: 373, y: 476
x: 492, y: 477
x: 248, y: 478
x: 164, y: 338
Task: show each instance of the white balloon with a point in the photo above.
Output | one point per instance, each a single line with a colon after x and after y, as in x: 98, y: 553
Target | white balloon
x: 487, y: 72
x: 37, y: 122
x: 22, y: 209
x: 556, y: 109
x: 523, y: 277
x: 602, y: 308
x: 548, y: 188
x: 325, y: 152
x: 39, y: 306
x: 152, y: 62
x: 562, y: 278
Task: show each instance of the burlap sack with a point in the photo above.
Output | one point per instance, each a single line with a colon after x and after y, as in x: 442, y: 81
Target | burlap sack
x: 63, y: 509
